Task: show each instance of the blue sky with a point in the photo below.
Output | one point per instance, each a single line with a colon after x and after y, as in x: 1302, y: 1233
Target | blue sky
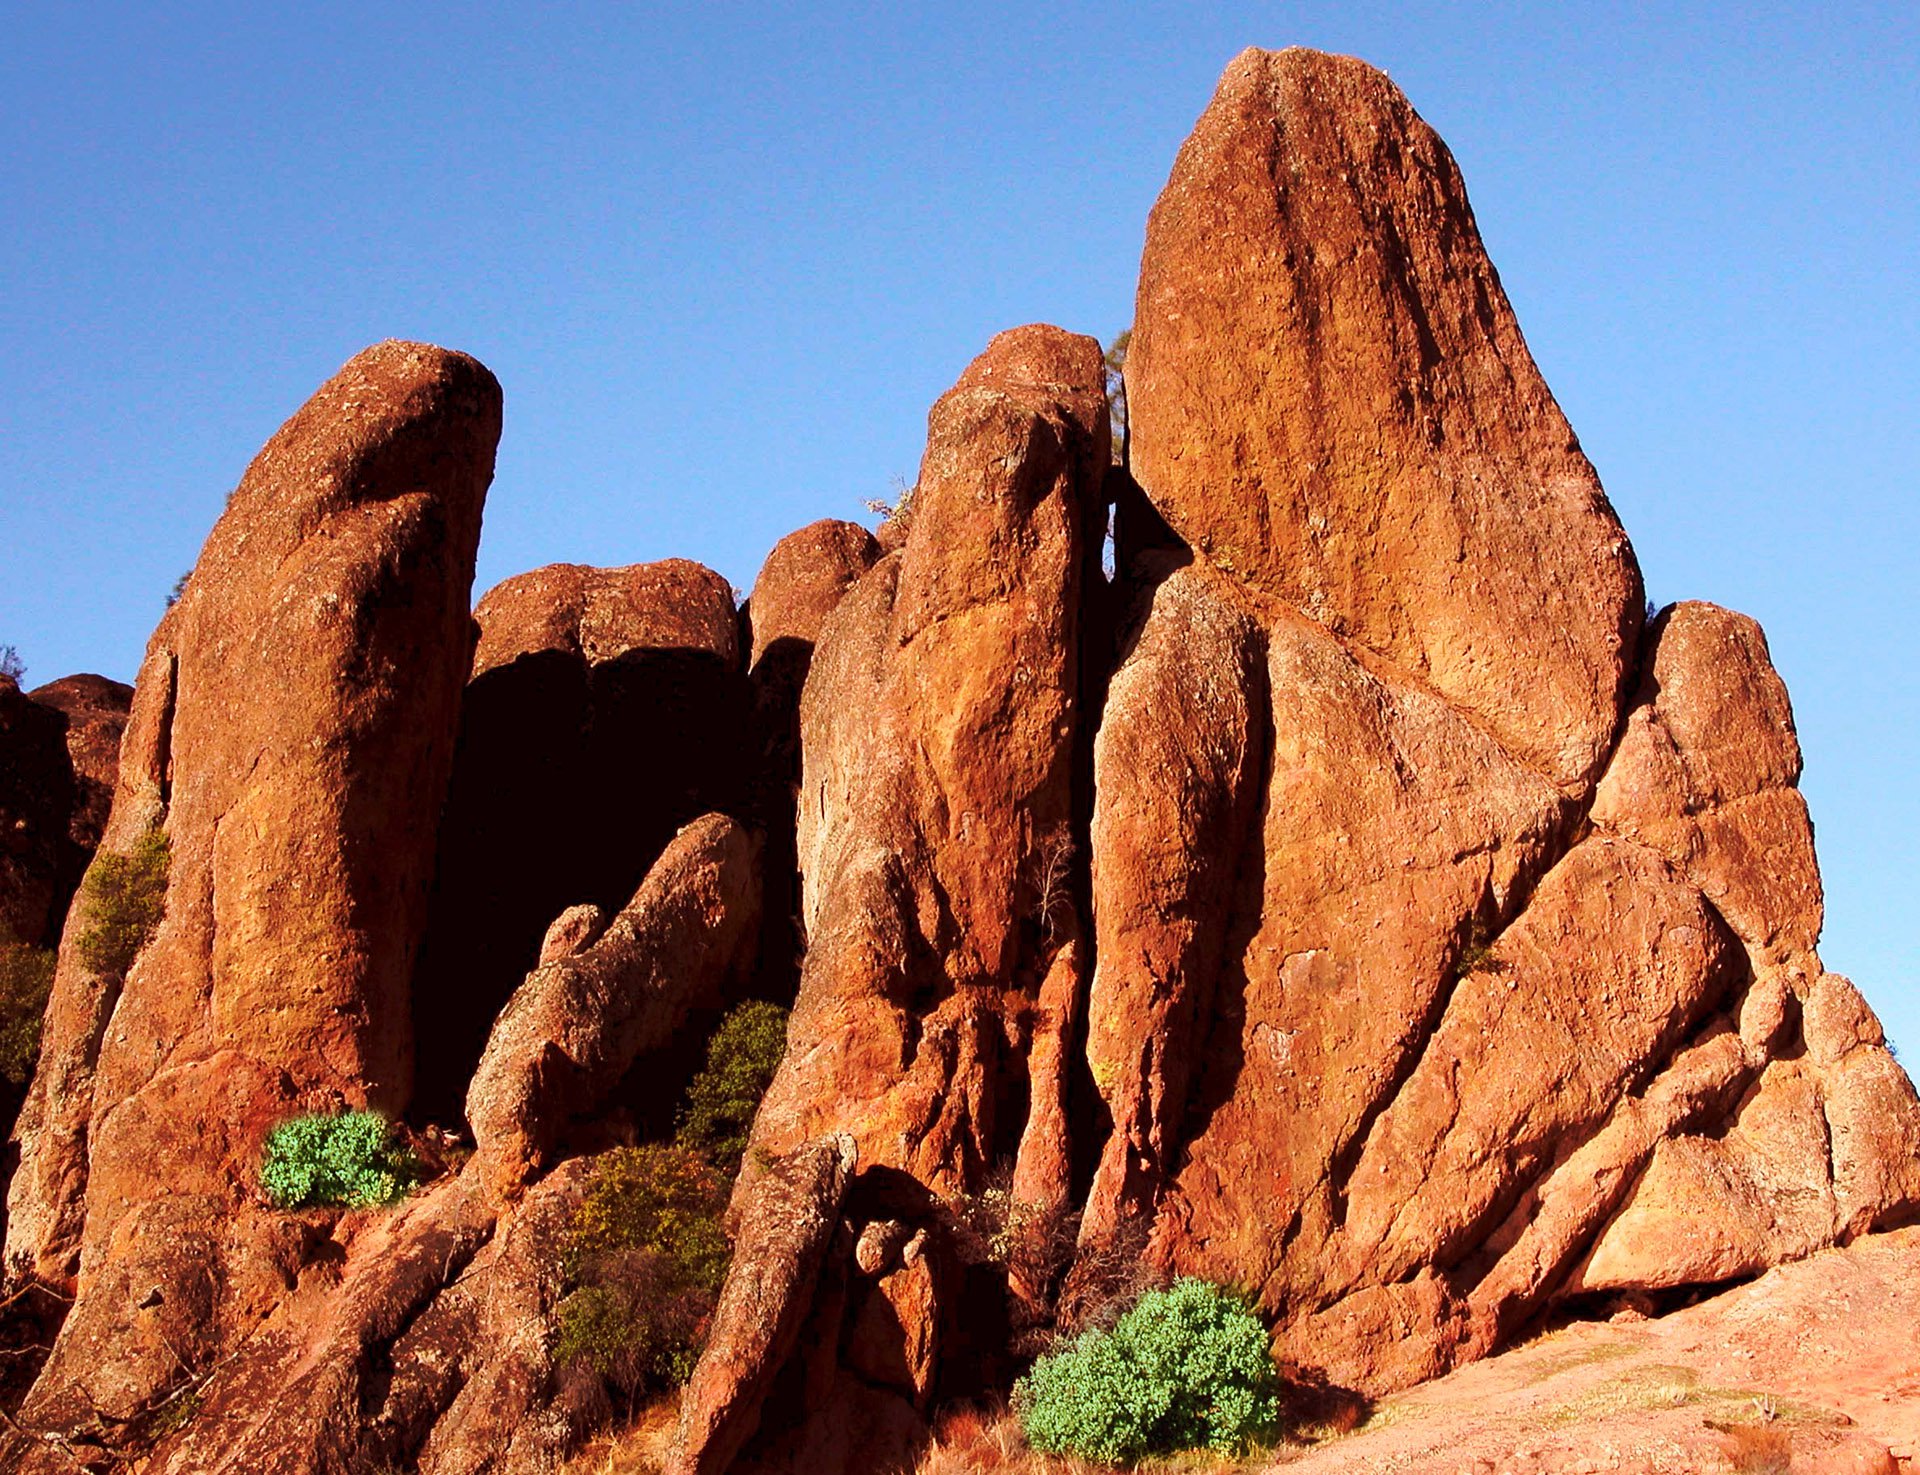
x: 724, y: 256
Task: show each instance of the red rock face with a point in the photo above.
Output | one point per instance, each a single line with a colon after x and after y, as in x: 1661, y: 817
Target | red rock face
x: 607, y: 707
x: 1455, y: 1047
x: 939, y: 725
x: 936, y: 830
x: 292, y: 734
x: 803, y: 580
x: 1330, y: 398
x: 1351, y: 902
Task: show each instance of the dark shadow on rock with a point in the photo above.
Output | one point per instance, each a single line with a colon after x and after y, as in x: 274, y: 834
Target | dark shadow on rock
x: 569, y: 780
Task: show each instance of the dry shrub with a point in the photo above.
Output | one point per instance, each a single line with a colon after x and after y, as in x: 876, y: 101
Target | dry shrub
x: 639, y: 1447
x: 1758, y: 1449
x: 123, y: 898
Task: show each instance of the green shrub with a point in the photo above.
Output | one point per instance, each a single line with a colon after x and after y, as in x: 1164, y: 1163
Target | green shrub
x: 346, y: 1160
x: 123, y: 898
x: 1186, y: 1368
x: 644, y: 1258
x: 26, y: 979
x: 742, y: 1057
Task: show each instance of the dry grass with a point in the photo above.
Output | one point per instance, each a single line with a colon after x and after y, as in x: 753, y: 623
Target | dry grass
x: 973, y: 1440
x: 967, y: 1440
x: 638, y: 1449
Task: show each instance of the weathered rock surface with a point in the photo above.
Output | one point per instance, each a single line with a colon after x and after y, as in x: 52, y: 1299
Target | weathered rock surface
x: 1329, y: 396
x: 607, y: 707
x: 781, y: 1241
x: 939, y: 725
x: 1812, y: 1367
x: 802, y: 580
x: 801, y: 583
x: 571, y: 1031
x: 1354, y: 900
x: 936, y: 828
x: 1177, y: 766
x: 291, y: 733
x: 422, y: 1336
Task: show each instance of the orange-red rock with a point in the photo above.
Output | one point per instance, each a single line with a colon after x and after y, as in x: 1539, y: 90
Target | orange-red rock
x: 1329, y: 398
x: 803, y: 579
x: 571, y: 1031
x: 779, y: 1246
x: 936, y: 827
x: 939, y: 726
x: 292, y: 732
x: 1177, y: 765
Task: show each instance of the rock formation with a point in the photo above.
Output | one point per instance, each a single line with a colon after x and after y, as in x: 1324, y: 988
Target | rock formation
x: 1354, y: 899
x: 1452, y: 939
x: 291, y: 736
x: 607, y: 707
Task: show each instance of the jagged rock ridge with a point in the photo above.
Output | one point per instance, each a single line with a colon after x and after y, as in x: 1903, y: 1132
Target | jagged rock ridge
x: 1353, y: 900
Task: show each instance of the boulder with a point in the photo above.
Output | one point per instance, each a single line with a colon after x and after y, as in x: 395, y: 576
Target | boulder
x: 607, y: 708
x: 802, y: 580
x: 570, y: 1033
x: 781, y: 1240
x: 96, y: 711
x: 59, y: 750
x: 291, y: 736
x: 1330, y: 399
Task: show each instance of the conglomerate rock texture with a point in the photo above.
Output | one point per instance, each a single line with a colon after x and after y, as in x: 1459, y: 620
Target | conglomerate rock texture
x: 1354, y: 898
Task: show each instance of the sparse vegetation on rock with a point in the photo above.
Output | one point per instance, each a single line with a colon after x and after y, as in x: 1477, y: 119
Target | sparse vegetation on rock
x: 742, y: 1056
x: 343, y: 1160
x: 26, y: 977
x: 1185, y: 1368
x: 124, y: 897
x: 645, y: 1256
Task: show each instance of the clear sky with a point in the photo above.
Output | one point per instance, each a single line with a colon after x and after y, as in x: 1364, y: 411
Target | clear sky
x: 723, y: 257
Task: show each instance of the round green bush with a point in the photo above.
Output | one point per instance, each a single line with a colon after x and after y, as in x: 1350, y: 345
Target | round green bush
x: 1186, y: 1368
x: 346, y: 1160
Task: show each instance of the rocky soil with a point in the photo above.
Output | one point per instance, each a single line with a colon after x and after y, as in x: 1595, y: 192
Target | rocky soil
x: 1359, y: 896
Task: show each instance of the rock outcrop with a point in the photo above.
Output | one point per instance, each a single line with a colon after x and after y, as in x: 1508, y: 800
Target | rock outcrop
x: 1461, y: 981
x: 420, y: 1337
x: 607, y: 707
x: 1330, y: 399
x: 1452, y: 939
x: 1354, y: 899
x: 291, y: 736
x: 937, y: 825
x: 566, y: 1038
